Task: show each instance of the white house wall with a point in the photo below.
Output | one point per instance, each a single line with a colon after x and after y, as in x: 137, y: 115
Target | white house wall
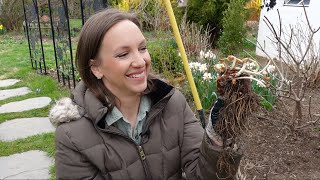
x: 290, y: 15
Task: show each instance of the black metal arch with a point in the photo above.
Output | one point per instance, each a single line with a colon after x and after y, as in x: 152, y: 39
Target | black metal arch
x: 33, y: 31
x: 59, y: 19
x: 89, y: 7
x: 61, y: 38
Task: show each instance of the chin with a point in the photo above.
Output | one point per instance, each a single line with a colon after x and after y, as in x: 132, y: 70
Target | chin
x: 141, y: 88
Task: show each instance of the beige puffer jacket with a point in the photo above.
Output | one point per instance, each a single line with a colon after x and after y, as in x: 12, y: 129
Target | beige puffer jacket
x: 172, y: 142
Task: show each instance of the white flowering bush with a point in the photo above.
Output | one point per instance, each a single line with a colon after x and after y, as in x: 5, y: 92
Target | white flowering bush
x: 205, y: 78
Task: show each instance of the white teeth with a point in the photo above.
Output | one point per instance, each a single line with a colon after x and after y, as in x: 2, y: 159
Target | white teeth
x: 137, y: 75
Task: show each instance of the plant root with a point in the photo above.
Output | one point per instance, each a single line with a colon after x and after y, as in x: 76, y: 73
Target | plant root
x: 226, y: 165
x: 239, y: 103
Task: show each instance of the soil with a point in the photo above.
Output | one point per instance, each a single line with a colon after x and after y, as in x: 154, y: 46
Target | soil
x: 274, y: 151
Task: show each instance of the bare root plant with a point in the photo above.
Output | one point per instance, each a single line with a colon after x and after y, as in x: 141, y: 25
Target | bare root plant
x: 240, y: 102
x: 299, y: 66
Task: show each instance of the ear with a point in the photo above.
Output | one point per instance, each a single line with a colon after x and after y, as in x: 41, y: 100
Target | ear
x: 94, y: 67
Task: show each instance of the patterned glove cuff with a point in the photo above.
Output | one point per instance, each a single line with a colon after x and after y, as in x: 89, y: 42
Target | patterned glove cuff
x: 214, y: 137
x: 217, y: 142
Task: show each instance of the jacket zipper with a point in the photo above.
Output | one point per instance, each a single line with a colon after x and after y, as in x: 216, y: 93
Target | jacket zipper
x: 144, y: 163
x: 141, y: 153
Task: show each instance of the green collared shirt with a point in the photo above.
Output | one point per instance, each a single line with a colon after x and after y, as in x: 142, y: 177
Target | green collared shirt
x: 116, y: 119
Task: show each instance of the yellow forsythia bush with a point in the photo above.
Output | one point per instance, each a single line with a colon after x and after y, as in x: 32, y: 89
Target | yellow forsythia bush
x: 255, y: 7
x: 127, y: 5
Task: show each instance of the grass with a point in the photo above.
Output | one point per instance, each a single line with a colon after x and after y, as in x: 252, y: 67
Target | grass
x: 75, y: 23
x: 15, y: 63
x: 43, y: 142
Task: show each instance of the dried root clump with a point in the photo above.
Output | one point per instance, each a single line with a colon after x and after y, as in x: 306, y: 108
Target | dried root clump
x: 239, y: 103
x: 234, y: 87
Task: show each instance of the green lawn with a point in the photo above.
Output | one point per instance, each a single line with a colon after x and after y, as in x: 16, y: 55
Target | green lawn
x: 15, y: 63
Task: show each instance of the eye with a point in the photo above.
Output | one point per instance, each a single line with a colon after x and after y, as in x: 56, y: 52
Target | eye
x: 143, y: 49
x: 122, y: 55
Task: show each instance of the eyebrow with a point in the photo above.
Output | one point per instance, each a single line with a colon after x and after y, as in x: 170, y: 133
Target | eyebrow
x: 127, y: 47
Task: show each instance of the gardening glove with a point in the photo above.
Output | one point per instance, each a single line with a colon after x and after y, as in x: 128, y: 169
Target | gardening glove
x: 213, y: 119
x: 214, y: 113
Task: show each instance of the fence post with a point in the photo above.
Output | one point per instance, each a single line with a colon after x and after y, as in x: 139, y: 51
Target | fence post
x: 62, y: 41
x: 34, y: 35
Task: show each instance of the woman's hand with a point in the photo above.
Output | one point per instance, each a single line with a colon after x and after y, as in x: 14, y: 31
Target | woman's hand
x: 213, y: 119
x: 214, y: 113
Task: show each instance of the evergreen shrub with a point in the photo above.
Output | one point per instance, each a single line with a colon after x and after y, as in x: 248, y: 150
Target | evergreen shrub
x: 234, y: 30
x: 165, y: 58
x: 207, y: 12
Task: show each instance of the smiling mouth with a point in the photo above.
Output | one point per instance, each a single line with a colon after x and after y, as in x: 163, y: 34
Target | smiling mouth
x: 136, y: 75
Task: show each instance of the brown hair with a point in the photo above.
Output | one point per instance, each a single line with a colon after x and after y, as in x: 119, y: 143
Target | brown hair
x: 89, y: 44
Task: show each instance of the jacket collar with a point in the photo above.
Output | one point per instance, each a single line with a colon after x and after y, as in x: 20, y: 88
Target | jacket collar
x: 96, y: 111
x: 92, y: 107
x: 84, y: 103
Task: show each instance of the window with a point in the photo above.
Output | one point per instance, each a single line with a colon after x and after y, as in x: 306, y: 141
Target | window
x: 296, y: 2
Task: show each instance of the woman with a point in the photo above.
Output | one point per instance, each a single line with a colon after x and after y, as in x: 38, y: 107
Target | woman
x: 121, y: 123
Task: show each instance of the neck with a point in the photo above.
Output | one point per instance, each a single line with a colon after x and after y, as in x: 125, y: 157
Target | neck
x: 129, y: 107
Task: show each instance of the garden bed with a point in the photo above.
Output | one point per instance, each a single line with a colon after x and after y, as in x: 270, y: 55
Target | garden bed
x: 274, y: 152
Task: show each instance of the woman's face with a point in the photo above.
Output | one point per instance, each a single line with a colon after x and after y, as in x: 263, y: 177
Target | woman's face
x: 124, y: 60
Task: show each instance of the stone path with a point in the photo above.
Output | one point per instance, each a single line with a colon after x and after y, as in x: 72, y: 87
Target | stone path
x: 8, y: 82
x: 27, y: 165
x: 25, y: 105
x: 24, y: 127
x: 8, y: 93
x: 33, y: 164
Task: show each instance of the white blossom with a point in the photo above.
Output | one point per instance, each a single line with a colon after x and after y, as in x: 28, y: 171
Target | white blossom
x: 207, y: 76
x: 210, y: 55
x: 271, y: 68
x: 194, y: 65
x: 206, y: 55
x: 202, y: 54
x: 213, y: 56
x: 251, y: 65
x: 191, y: 65
x: 261, y: 84
x: 203, y: 67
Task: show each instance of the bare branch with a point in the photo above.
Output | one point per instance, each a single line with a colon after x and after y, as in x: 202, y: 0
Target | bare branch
x: 306, y: 15
x: 271, y: 27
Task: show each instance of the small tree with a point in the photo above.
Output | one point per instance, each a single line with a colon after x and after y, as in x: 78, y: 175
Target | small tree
x: 234, y: 31
x: 299, y: 66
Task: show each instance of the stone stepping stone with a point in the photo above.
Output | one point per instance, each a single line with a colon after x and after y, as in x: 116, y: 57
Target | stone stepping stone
x: 24, y: 127
x: 8, y: 82
x: 4, y: 94
x: 33, y: 164
x: 25, y: 105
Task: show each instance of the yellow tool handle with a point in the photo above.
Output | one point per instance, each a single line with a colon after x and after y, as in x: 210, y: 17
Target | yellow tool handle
x: 177, y: 36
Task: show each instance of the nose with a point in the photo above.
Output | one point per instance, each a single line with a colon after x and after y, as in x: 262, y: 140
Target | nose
x: 138, y: 60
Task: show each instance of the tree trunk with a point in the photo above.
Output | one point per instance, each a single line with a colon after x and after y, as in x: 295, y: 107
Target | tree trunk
x: 297, y: 116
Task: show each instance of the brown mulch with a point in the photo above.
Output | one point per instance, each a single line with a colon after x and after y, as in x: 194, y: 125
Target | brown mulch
x: 274, y: 151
